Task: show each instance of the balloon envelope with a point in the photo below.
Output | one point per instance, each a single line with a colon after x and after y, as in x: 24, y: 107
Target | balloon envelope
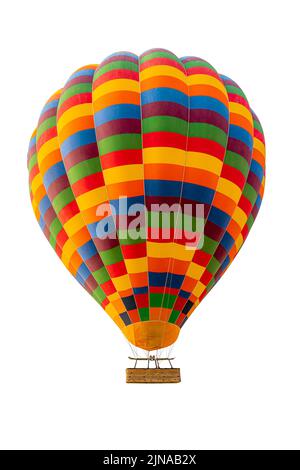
x: 156, y: 132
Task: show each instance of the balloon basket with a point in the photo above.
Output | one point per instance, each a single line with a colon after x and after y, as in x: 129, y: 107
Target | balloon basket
x: 153, y: 376
x: 156, y: 375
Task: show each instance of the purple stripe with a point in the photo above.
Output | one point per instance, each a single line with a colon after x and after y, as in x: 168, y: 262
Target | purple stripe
x: 119, y: 126
x: 57, y: 186
x: 165, y: 108
x: 85, y: 152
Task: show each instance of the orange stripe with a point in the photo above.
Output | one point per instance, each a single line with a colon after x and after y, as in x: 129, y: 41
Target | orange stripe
x: 164, y: 81
x: 117, y: 97
x: 208, y: 90
x: 79, y: 124
x: 224, y: 203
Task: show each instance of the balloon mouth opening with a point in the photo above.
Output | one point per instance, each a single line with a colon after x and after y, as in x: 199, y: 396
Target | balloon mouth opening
x: 151, y: 335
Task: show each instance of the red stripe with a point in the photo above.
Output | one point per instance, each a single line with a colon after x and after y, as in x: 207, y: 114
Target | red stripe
x: 88, y: 183
x: 117, y: 269
x: 73, y: 101
x: 68, y: 212
x: 116, y: 73
x: 234, y: 175
x: 164, y: 139
x: 134, y: 251
x: 161, y: 61
x: 47, y: 135
x: 198, y: 144
x: 120, y: 158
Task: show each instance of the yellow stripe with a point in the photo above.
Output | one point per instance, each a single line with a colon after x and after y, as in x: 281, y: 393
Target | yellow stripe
x: 74, y: 113
x: 47, y: 148
x: 239, y: 217
x: 138, y: 265
x: 198, y: 289
x: 195, y: 271
x: 121, y: 174
x: 122, y: 282
x: 68, y: 250
x: 258, y: 145
x: 229, y: 189
x: 74, y: 224
x: 36, y: 183
x: 92, y: 198
x: 164, y: 155
x: 113, y: 297
x: 203, y: 161
x: 240, y: 109
x: 169, y: 250
x: 201, y: 79
x: 110, y: 310
x: 162, y: 70
x: 239, y: 242
x: 116, y: 85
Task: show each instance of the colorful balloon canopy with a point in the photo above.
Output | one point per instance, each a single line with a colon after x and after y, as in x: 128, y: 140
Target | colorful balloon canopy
x: 157, y: 130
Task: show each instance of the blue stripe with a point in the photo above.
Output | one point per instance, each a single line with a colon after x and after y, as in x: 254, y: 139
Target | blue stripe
x: 92, y: 228
x: 42, y: 223
x: 44, y: 205
x: 184, y: 294
x: 105, y: 227
x: 205, y: 102
x: 163, y: 188
x: 140, y: 290
x: 258, y: 201
x: 123, y: 208
x: 225, y: 263
x: 87, y: 250
x: 227, y: 241
x: 194, y: 192
x: 257, y: 169
x: 117, y: 111
x: 51, y: 105
x: 165, y: 279
x: 53, y: 174
x: 174, y: 280
x: 237, y: 132
x: 116, y: 54
x: 164, y: 94
x: 219, y: 217
x: 32, y: 142
x: 77, y: 140
x: 82, y: 73
x: 83, y: 272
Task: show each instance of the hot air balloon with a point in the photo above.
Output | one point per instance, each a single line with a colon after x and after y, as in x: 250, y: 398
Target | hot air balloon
x: 121, y: 157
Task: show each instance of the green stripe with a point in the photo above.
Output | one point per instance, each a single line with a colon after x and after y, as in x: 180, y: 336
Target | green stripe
x: 198, y: 63
x: 55, y: 227
x: 88, y: 167
x: 120, y: 142
x: 75, y: 90
x: 174, y: 315
x: 46, y: 125
x: 208, y: 131
x: 235, y: 91
x: 157, y: 54
x: 112, y: 256
x: 32, y: 162
x: 62, y: 199
x: 165, y: 124
x: 237, y: 161
x: 117, y: 65
x: 250, y: 193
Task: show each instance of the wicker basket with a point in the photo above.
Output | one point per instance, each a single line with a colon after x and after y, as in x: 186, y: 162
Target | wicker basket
x: 152, y: 376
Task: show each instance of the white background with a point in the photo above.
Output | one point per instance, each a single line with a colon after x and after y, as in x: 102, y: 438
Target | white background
x: 62, y: 361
